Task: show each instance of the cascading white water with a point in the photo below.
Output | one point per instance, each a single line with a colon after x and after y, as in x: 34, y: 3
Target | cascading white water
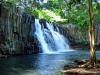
x: 40, y: 36
x: 50, y: 40
x: 59, y: 39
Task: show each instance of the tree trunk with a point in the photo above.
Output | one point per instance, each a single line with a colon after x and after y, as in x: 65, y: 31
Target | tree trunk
x: 91, y: 35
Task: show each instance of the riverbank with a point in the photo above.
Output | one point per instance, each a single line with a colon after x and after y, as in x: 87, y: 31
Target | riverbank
x: 82, y: 71
x: 82, y: 67
x: 3, y: 56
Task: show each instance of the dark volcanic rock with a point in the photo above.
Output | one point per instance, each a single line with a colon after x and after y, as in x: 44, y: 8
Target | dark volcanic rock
x: 43, y: 23
x: 16, y: 31
x: 0, y: 8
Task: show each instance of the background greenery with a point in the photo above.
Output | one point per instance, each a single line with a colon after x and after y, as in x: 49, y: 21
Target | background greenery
x: 62, y: 11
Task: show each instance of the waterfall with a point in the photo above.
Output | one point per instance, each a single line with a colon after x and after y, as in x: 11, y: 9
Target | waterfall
x: 50, y: 39
x: 39, y: 34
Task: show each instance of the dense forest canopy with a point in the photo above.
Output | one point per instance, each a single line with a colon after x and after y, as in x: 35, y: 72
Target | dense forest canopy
x: 62, y: 11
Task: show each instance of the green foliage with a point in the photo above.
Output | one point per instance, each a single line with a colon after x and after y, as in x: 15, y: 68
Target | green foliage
x: 13, y: 1
x: 96, y: 13
x: 79, y: 16
x: 35, y: 13
x: 66, y: 11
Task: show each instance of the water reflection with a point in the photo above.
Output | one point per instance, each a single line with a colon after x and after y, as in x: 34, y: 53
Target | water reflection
x: 41, y: 64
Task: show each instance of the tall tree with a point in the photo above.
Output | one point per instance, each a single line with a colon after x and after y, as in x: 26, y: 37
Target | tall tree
x: 91, y: 35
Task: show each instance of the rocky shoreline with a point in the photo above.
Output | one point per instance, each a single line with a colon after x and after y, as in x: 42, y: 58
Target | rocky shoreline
x: 80, y: 67
x: 81, y: 71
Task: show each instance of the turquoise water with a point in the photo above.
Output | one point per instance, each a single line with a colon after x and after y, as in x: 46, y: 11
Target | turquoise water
x: 40, y: 64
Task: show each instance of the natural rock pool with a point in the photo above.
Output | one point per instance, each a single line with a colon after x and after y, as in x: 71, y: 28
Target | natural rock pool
x: 40, y: 64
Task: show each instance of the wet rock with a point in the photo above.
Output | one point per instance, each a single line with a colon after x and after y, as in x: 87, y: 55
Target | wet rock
x: 70, y: 66
x: 3, y: 56
x: 0, y: 8
x: 2, y: 37
x: 43, y: 23
x: 80, y: 62
x: 16, y: 28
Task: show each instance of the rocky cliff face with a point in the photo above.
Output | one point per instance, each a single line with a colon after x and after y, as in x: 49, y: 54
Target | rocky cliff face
x: 16, y: 31
x: 77, y: 36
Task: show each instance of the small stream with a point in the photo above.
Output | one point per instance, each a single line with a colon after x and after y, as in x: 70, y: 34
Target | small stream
x: 40, y: 64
